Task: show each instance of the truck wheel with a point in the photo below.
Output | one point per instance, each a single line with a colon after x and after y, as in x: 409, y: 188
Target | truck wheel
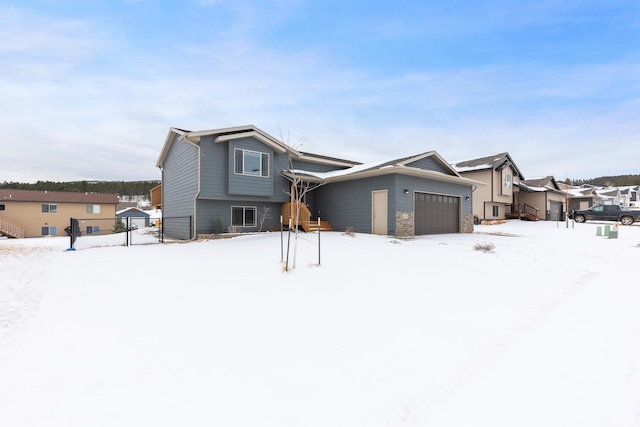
x: 627, y: 220
x: 579, y: 218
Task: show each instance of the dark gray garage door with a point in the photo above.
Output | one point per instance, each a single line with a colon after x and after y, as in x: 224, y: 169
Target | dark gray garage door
x: 435, y: 214
x: 556, y: 211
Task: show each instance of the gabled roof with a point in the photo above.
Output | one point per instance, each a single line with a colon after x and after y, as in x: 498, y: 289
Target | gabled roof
x: 56, y: 197
x: 247, y: 131
x: 546, y: 184
x: 398, y: 166
x: 131, y: 209
x: 495, y: 162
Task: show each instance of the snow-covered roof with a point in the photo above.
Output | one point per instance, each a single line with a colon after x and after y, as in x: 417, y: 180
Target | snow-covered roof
x: 386, y: 167
x: 496, y: 161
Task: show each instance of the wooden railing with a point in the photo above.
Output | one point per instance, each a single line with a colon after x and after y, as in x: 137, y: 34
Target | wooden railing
x: 289, y: 212
x: 156, y: 197
x: 522, y: 211
x: 11, y: 229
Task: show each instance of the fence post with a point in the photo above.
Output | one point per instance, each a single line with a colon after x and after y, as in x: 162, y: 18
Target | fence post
x: 319, y: 231
x: 162, y: 229
x: 71, y: 233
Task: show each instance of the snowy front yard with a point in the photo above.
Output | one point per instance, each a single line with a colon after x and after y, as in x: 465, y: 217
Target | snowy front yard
x: 544, y: 330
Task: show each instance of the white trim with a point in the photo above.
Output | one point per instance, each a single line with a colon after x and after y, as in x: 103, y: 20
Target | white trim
x: 373, y: 211
x: 255, y: 216
x: 259, y: 175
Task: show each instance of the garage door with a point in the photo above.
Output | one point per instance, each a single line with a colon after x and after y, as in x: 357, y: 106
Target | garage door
x: 436, y: 214
x: 556, y: 211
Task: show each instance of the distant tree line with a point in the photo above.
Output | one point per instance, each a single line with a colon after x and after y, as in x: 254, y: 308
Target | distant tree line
x: 612, y: 181
x: 121, y: 188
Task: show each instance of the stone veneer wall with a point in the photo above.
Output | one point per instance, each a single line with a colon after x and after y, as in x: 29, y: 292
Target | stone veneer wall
x: 467, y: 223
x: 404, y: 224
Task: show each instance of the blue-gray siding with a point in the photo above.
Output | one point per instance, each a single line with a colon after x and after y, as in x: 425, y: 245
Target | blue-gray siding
x: 349, y: 204
x: 214, y: 216
x: 179, y: 188
x: 429, y: 163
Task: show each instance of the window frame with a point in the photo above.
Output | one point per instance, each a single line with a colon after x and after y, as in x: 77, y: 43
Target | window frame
x: 92, y: 209
x: 495, y: 211
x: 239, y: 163
x: 2, y: 207
x: 245, y: 209
x: 49, y: 228
x: 93, y: 229
x: 49, y: 208
x: 507, y: 180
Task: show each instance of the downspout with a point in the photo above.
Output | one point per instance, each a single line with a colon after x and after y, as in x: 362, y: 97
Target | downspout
x: 185, y: 138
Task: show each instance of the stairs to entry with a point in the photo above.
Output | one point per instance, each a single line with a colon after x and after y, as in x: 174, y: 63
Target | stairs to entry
x: 8, y: 228
x: 311, y: 226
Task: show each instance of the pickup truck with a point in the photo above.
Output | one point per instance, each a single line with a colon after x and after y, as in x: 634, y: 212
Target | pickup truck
x: 606, y: 213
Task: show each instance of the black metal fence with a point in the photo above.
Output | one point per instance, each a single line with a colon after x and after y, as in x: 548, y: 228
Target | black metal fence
x: 105, y: 232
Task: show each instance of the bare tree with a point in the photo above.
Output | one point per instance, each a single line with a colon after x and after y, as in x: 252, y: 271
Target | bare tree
x: 301, y: 184
x: 264, y: 215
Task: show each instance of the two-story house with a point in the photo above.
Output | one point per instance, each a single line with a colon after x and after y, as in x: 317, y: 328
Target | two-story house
x: 240, y: 177
x: 31, y: 213
x: 500, y: 173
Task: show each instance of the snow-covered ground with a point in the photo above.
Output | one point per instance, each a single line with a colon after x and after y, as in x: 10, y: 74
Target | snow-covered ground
x: 544, y: 330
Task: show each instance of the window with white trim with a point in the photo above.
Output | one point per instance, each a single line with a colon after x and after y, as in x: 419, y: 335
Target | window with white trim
x: 93, y: 209
x: 2, y: 207
x: 49, y: 208
x: 252, y: 163
x: 49, y: 231
x: 495, y: 211
x: 243, y: 216
x: 506, y: 180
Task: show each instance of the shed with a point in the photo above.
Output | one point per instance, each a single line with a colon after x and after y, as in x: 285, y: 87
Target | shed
x: 138, y: 217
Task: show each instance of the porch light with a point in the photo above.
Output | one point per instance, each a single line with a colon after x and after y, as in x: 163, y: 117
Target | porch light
x: 406, y: 191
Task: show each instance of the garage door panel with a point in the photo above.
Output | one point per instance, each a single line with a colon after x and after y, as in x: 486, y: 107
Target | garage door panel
x: 436, y: 214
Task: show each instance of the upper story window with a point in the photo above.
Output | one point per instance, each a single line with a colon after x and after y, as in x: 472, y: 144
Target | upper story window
x: 252, y: 163
x: 49, y: 208
x: 1, y: 206
x: 506, y: 180
x: 93, y: 209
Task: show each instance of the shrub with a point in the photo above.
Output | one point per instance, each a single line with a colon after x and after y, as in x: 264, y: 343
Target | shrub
x: 484, y: 247
x: 119, y: 227
x: 349, y: 232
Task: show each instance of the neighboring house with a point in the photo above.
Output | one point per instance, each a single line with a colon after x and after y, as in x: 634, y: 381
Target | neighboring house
x: 137, y: 217
x: 544, y: 196
x: 581, y: 197
x: 630, y: 196
x: 29, y: 213
x: 234, y: 177
x: 501, y: 175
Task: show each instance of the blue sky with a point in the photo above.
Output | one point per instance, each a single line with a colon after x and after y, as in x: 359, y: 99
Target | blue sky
x: 89, y: 89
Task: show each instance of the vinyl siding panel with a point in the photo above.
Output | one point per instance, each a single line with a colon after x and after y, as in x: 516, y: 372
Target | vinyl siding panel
x: 214, y: 174
x: 348, y: 204
x: 482, y: 193
x: 179, y: 188
x: 211, y: 210
x: 247, y: 185
x: 431, y: 164
x: 405, y: 201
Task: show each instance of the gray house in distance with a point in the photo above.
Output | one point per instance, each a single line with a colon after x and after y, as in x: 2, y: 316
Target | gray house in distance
x: 235, y: 177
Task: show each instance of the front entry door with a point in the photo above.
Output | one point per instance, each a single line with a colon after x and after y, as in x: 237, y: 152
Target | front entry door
x: 379, y: 211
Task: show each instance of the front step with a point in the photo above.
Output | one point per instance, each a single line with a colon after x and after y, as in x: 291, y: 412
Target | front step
x: 311, y: 226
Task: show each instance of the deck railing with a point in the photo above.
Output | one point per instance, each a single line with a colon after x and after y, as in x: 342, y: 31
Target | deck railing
x: 11, y: 229
x: 289, y: 212
x: 522, y: 210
